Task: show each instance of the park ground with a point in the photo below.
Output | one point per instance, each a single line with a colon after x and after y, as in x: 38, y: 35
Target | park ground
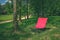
x: 26, y: 27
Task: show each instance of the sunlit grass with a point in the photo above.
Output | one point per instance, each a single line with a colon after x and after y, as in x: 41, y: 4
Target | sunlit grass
x: 26, y: 33
x: 6, y: 17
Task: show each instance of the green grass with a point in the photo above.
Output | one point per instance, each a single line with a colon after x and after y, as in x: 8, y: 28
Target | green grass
x: 5, y: 17
x: 25, y: 30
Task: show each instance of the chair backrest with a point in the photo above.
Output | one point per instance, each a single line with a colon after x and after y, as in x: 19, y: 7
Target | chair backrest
x: 41, y: 23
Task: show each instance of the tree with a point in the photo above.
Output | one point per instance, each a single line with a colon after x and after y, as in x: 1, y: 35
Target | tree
x: 15, y: 16
x: 27, y: 9
x: 0, y: 9
x: 19, y: 9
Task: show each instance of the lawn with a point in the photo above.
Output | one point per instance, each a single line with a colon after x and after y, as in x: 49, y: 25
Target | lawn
x: 25, y: 30
x: 6, y: 17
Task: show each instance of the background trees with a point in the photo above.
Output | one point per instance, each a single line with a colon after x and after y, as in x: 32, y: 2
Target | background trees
x: 49, y: 7
x: 0, y: 9
x: 34, y: 7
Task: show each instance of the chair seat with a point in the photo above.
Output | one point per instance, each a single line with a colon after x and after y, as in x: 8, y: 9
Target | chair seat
x: 41, y: 23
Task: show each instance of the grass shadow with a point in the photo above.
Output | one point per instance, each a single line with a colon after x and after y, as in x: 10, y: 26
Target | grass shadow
x: 40, y: 30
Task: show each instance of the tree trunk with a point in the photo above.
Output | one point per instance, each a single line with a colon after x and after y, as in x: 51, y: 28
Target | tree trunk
x: 27, y: 10
x: 42, y: 9
x: 20, y: 16
x: 15, y: 16
x: 20, y: 11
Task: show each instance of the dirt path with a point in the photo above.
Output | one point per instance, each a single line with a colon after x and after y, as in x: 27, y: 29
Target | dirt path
x: 6, y: 21
x: 11, y: 20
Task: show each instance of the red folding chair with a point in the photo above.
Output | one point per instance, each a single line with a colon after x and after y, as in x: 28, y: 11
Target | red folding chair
x: 41, y: 23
